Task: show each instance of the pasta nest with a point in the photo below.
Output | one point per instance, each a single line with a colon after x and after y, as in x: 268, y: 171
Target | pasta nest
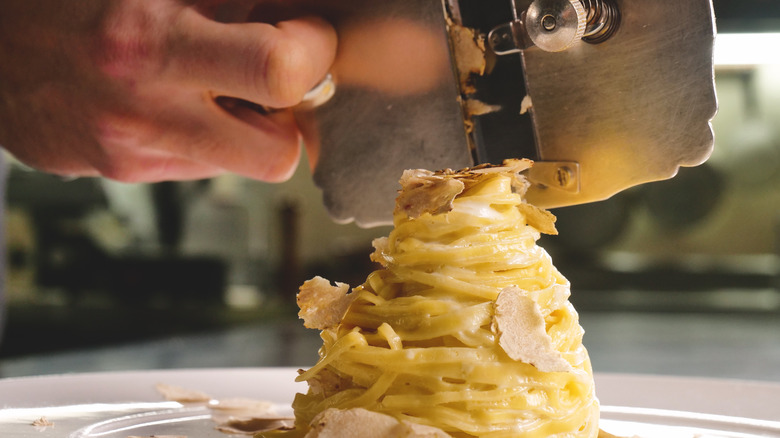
x: 466, y: 327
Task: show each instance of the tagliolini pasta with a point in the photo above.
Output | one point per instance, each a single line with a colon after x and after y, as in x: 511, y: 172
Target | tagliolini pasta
x: 467, y: 328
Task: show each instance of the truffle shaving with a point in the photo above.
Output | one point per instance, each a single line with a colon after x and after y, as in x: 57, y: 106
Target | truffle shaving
x: 426, y: 192
x: 253, y: 425
x: 521, y: 328
x: 322, y: 304
x: 470, y: 59
x: 542, y: 220
x: 362, y: 423
x: 181, y: 395
x: 476, y: 107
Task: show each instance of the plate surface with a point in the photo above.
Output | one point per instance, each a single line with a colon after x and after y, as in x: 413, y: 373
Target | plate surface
x: 123, y: 404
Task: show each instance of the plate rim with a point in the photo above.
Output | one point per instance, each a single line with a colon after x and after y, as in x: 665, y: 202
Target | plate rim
x: 737, y: 398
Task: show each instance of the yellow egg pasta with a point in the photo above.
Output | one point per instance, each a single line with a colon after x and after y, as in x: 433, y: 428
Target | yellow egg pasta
x: 466, y: 328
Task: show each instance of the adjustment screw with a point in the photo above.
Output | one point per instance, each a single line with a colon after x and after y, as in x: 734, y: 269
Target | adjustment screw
x: 549, y: 23
x: 563, y: 176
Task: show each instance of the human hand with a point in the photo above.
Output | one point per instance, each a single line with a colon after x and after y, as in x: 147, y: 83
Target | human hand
x: 126, y: 88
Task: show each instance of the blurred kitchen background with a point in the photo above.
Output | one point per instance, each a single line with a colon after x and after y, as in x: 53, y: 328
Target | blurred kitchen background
x: 103, y: 275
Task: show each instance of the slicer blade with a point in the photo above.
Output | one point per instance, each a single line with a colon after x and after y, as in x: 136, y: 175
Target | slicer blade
x: 396, y: 107
x: 626, y: 104
x: 630, y: 110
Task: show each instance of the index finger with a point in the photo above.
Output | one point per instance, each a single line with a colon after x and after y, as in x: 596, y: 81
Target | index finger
x: 273, y: 65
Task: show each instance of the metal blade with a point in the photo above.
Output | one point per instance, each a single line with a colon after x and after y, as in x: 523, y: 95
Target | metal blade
x: 396, y: 107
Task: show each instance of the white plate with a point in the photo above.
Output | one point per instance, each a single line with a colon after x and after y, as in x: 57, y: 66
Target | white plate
x: 118, y: 405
